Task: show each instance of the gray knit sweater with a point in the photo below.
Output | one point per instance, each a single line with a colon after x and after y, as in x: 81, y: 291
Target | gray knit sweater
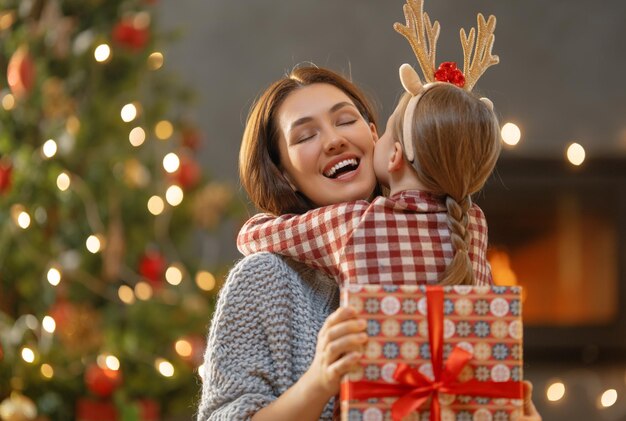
x: 263, y: 335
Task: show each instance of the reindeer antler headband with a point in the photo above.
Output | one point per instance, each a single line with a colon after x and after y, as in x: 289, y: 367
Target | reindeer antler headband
x: 419, y: 32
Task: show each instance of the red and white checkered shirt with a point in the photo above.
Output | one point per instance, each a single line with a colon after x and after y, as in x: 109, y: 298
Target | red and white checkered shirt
x: 402, y: 239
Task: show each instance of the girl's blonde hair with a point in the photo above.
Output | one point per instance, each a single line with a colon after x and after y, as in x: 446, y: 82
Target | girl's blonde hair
x: 456, y: 141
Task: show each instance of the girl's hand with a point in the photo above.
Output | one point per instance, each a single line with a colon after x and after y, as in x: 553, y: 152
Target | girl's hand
x: 530, y: 412
x: 339, y: 347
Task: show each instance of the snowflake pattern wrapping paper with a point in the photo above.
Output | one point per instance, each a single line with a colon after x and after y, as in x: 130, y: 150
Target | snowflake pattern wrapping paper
x: 480, y: 330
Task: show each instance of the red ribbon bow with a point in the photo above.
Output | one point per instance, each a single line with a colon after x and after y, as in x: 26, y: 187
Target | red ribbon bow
x: 414, y: 389
x: 448, y: 72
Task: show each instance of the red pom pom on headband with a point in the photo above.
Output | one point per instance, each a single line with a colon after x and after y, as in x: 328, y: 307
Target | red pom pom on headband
x: 448, y: 72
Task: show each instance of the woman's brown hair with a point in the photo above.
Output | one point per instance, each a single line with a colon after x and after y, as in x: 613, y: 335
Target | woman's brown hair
x: 456, y: 142
x: 259, y: 158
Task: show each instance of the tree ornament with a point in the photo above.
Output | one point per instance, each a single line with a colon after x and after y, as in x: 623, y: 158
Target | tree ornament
x: 21, y: 72
x: 6, y: 171
x: 78, y: 326
x: 211, y: 203
x: 152, y: 266
x: 56, y: 102
x: 102, y: 381
x: 188, y: 173
x: 127, y: 34
x: 17, y: 407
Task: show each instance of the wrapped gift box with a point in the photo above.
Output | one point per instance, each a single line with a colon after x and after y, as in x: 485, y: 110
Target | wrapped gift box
x: 475, y: 372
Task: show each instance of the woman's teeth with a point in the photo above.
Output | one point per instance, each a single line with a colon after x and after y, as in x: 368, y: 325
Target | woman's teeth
x: 340, y: 166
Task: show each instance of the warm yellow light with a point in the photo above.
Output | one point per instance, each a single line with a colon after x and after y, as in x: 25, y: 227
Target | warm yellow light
x: 102, y: 53
x: 8, y: 102
x: 126, y: 294
x: 174, y: 195
x: 63, y: 181
x: 156, y: 205
x: 54, y: 276
x: 155, y: 61
x: 555, y: 391
x: 576, y: 154
x: 129, y: 112
x: 143, y: 291
x: 165, y: 367
x: 6, y: 19
x: 205, y: 280
x: 173, y: 275
x: 47, y: 371
x: 28, y: 355
x: 164, y: 129
x: 201, y: 371
x: 511, y: 134
x: 183, y: 348
x: 49, y: 148
x: 137, y: 136
x: 171, y: 162
x: 608, y: 398
x: 93, y: 244
x: 23, y: 220
x: 112, y: 363
x: 48, y: 323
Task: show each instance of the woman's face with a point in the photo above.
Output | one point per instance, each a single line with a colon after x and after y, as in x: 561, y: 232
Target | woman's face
x: 326, y: 146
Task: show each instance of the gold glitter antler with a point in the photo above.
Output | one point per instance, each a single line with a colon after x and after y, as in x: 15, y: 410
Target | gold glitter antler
x: 417, y: 31
x: 482, y: 58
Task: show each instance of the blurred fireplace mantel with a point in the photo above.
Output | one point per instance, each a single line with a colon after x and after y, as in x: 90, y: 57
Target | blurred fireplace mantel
x: 560, y: 231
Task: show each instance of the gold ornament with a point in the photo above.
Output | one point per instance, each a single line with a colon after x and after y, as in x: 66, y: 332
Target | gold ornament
x: 17, y: 407
x: 56, y: 103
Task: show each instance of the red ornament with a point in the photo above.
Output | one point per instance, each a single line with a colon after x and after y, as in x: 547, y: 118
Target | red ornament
x: 448, y: 72
x: 191, y: 137
x: 152, y: 266
x: 6, y: 170
x: 127, y: 34
x: 21, y: 72
x: 188, y: 173
x: 102, y: 381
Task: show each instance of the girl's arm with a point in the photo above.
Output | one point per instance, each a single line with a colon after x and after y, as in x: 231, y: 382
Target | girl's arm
x: 315, y: 238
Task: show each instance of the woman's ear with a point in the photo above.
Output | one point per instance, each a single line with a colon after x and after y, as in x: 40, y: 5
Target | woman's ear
x: 396, y: 158
x: 374, y: 132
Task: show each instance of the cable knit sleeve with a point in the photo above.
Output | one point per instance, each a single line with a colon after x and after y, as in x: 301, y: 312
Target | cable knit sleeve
x: 252, y: 341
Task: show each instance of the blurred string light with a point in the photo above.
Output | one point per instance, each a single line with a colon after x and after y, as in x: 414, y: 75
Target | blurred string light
x: 173, y: 275
x: 164, y: 129
x: 8, y: 102
x: 205, y: 280
x: 102, y: 53
x: 155, y: 61
x: 63, y: 181
x: 108, y: 361
x: 28, y: 354
x: 48, y: 324
x: 555, y: 391
x: 183, y: 348
x: 129, y: 112
x: 156, y: 205
x: 608, y: 398
x: 174, y: 195
x: 49, y: 148
x: 137, y: 136
x: 164, y: 367
x: 575, y: 154
x: 126, y: 294
x: 72, y: 125
x: 53, y: 276
x: 7, y: 18
x: 143, y: 291
x: 47, y: 371
x: 511, y: 134
x: 171, y: 162
x: 93, y: 243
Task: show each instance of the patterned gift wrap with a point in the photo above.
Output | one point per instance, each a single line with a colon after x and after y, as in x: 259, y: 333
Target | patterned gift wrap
x: 483, y: 320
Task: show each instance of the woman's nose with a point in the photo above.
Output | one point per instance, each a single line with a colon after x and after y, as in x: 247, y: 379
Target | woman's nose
x: 334, y: 143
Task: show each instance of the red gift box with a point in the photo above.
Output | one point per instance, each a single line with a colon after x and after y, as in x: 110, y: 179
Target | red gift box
x: 436, y: 353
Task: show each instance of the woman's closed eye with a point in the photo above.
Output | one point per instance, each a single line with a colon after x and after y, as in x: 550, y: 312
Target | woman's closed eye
x: 346, y: 122
x: 304, y: 137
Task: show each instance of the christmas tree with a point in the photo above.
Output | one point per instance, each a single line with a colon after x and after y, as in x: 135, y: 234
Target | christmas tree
x: 104, y: 296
